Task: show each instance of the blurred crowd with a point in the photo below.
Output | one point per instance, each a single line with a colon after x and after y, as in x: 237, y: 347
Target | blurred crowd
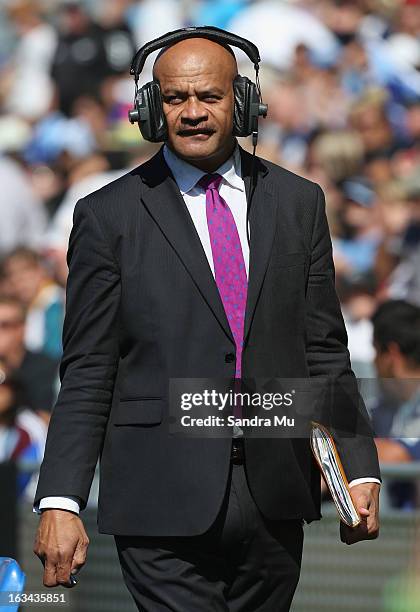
x: 342, y: 81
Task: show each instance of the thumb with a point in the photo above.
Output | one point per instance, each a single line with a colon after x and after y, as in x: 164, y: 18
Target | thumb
x: 363, y: 511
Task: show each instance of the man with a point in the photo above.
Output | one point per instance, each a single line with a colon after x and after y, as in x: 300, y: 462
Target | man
x: 27, y: 384
x: 396, y: 412
x: 29, y: 282
x: 200, y: 524
x: 31, y: 60
x: 23, y: 217
x: 35, y: 372
x: 396, y: 334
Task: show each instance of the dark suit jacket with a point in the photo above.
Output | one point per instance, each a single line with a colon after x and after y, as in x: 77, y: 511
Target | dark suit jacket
x: 143, y: 306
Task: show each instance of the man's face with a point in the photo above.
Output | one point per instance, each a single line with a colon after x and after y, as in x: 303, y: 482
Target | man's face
x: 196, y: 81
x: 12, y: 329
x: 24, y: 278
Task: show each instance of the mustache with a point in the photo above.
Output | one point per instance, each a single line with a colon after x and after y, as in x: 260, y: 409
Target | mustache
x: 191, y: 131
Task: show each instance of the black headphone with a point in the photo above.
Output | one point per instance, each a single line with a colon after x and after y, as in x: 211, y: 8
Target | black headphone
x: 148, y: 111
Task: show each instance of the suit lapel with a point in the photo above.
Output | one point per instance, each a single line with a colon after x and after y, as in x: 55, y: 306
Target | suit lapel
x: 262, y: 221
x: 166, y: 205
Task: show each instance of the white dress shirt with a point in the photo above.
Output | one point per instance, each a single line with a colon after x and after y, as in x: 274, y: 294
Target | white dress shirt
x: 232, y: 190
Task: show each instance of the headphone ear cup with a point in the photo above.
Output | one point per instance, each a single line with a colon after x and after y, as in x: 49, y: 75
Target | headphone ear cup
x: 245, y: 93
x: 152, y: 121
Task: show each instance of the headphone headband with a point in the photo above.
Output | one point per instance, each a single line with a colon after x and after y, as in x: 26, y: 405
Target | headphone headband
x: 210, y: 32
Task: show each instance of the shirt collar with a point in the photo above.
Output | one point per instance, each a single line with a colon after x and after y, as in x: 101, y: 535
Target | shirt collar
x: 187, y: 176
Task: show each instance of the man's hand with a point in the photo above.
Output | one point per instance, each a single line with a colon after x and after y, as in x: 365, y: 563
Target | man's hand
x: 366, y: 499
x: 61, y: 543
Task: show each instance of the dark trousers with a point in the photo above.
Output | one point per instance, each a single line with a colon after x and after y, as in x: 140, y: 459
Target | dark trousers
x: 243, y: 563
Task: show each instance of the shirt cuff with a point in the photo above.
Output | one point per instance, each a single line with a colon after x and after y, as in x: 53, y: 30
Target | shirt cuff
x: 358, y: 481
x: 58, y: 503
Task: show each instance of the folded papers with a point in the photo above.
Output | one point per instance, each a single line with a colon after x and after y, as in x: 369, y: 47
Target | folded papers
x: 328, y: 459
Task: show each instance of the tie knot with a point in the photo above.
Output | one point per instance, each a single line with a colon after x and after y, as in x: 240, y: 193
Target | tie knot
x: 210, y: 181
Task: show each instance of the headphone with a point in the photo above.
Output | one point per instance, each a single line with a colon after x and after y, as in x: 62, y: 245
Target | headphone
x: 148, y: 110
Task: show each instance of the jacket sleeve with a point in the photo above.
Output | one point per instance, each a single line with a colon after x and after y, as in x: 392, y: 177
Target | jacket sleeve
x: 328, y: 357
x: 89, y: 362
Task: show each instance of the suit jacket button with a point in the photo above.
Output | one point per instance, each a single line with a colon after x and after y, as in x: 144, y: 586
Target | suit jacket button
x: 230, y: 357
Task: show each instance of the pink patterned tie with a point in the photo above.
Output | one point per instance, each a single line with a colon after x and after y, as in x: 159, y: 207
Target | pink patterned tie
x: 229, y: 265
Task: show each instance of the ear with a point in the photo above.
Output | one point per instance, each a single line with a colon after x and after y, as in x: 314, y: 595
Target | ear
x: 397, y: 359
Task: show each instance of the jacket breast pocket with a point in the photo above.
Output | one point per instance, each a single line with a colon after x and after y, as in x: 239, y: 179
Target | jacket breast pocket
x: 139, y: 412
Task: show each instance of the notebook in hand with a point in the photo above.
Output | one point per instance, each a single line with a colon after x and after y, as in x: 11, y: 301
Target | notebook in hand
x: 328, y: 459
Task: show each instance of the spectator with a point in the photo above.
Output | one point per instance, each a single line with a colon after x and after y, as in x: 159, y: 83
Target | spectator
x: 396, y: 336
x: 360, y: 237
x: 23, y: 218
x: 151, y: 18
x: 396, y: 415
x: 15, y: 442
x: 278, y: 27
x: 30, y: 68
x: 91, y: 174
x: 13, y: 439
x: 369, y: 118
x: 395, y: 256
x: 79, y: 65
x: 405, y: 280
x: 118, y: 39
x: 34, y: 372
x: 30, y: 283
x: 357, y: 296
x: 339, y: 153
x: 57, y: 138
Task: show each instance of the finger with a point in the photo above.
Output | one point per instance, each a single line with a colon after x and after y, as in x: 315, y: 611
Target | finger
x: 369, y: 535
x: 50, y: 575
x: 78, y: 562
x: 79, y: 556
x: 373, y: 527
x: 373, y: 520
x: 63, y: 573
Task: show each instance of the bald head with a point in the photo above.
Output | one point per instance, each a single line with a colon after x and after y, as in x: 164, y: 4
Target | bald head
x: 196, y: 82
x: 197, y: 53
